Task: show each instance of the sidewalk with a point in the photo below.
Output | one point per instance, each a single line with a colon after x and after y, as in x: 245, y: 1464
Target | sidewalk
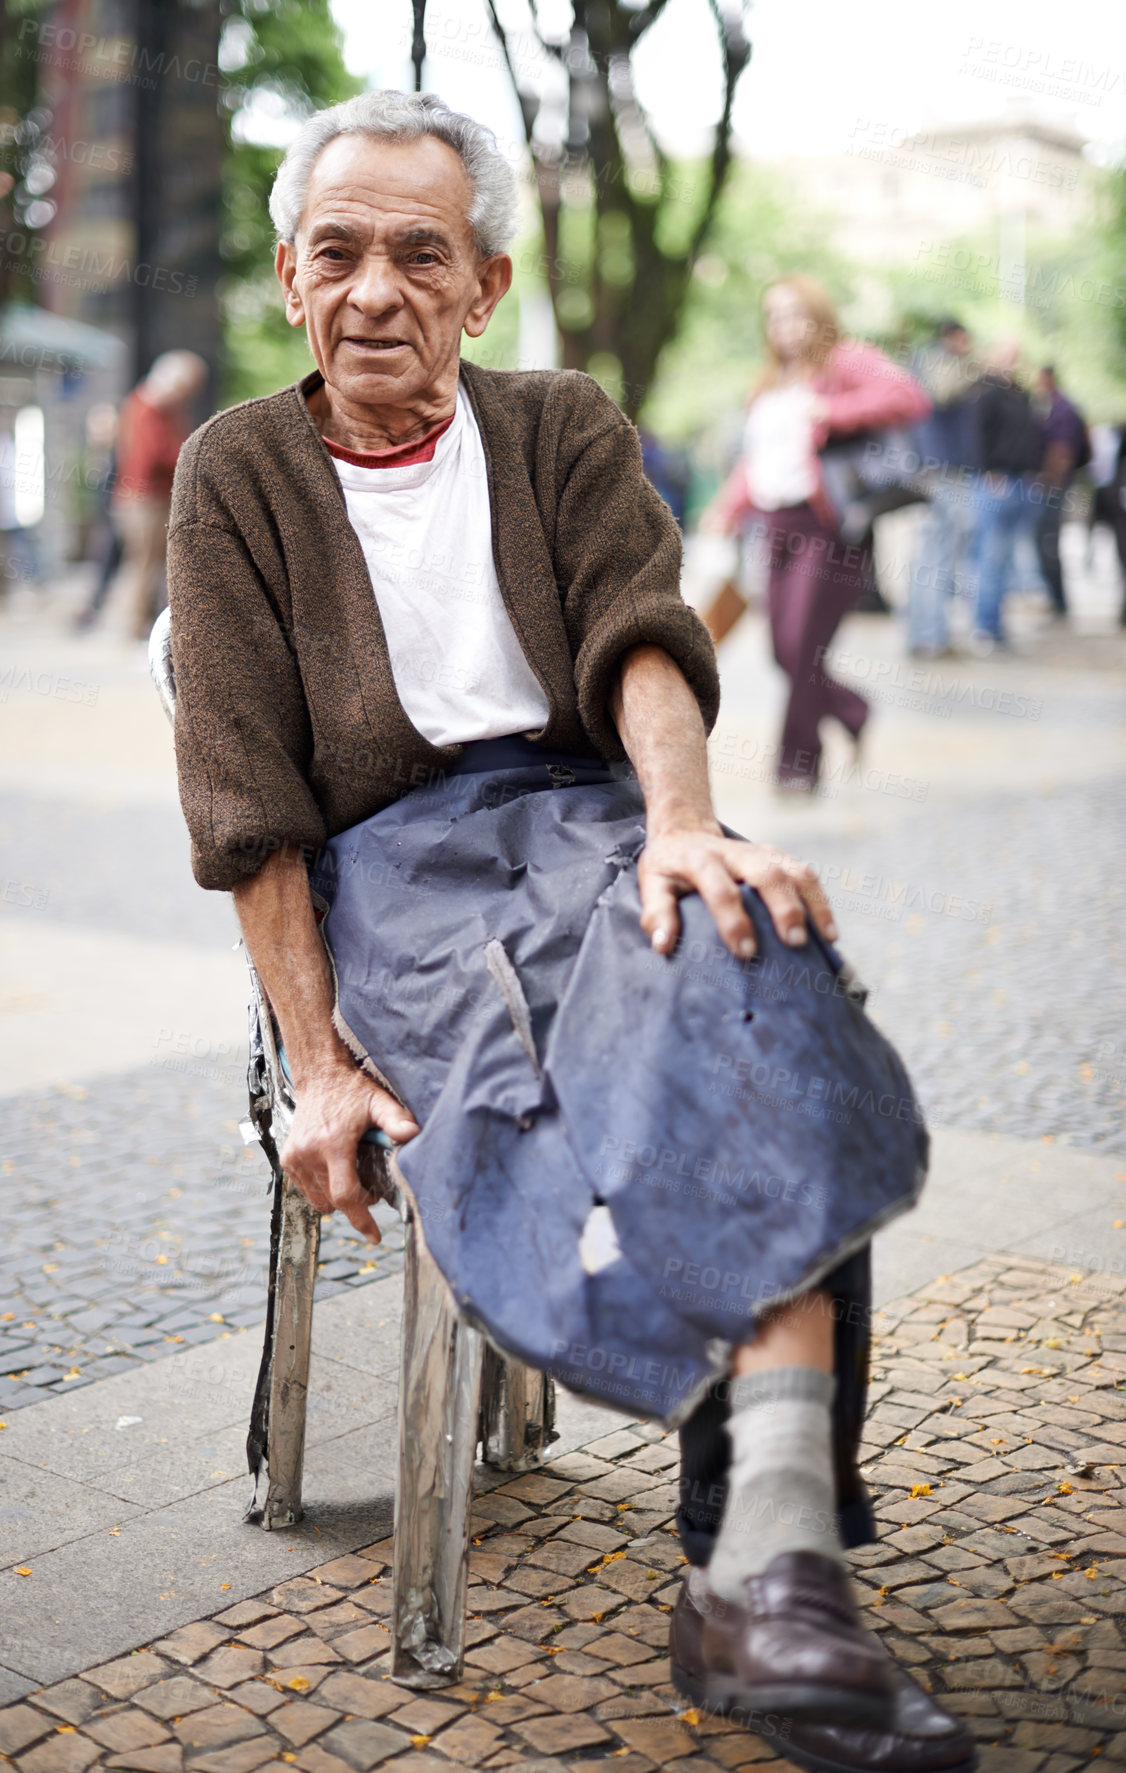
x: 995, y: 1448
x: 975, y: 860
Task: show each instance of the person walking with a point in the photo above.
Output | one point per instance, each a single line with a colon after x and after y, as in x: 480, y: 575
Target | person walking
x: 817, y: 389
x: 1067, y: 448
x: 948, y: 371
x: 152, y: 427
x: 1010, y: 451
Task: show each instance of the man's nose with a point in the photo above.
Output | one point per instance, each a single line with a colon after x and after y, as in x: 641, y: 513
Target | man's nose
x: 376, y: 287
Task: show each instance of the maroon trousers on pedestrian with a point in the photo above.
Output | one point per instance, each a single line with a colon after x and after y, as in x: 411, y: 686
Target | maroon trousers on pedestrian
x: 814, y: 581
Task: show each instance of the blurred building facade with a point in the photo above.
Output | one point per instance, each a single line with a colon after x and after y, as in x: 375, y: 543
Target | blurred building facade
x: 116, y: 255
x: 906, y: 200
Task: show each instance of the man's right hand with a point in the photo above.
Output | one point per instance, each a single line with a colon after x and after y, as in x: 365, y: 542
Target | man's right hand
x: 335, y: 1108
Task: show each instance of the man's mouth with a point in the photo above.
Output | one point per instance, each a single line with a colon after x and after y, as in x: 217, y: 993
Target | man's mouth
x: 378, y: 344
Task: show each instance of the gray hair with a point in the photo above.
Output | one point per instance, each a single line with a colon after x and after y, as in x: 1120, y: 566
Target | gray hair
x: 404, y: 117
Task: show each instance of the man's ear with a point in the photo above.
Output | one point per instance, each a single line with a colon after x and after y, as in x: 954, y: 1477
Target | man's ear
x: 494, y: 279
x: 285, y: 265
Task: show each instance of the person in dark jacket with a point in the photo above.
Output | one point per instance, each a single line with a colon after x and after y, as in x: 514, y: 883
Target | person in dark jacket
x: 946, y: 442
x: 1067, y: 448
x: 1010, y: 440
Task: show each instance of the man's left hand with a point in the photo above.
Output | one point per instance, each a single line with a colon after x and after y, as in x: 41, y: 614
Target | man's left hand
x: 700, y: 859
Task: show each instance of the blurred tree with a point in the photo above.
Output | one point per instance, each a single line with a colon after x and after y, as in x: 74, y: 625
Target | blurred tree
x: 282, y: 60
x: 22, y: 123
x: 623, y: 226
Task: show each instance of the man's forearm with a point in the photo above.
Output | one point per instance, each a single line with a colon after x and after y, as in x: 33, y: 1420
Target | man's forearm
x: 275, y: 912
x: 660, y: 725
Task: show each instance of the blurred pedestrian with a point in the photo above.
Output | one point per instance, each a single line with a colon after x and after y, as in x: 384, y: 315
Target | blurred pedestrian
x: 1010, y: 441
x: 106, y: 548
x: 816, y: 390
x: 1067, y: 448
x: 668, y: 470
x: 946, y: 443
x: 154, y: 424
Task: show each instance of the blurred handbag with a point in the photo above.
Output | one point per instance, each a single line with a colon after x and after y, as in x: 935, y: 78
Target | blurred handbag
x: 866, y: 475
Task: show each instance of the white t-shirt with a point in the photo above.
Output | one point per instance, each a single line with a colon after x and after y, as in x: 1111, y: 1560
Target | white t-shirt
x: 426, y: 533
x: 778, y: 448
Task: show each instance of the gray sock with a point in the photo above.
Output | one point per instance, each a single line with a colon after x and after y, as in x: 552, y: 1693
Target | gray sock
x: 780, y: 1493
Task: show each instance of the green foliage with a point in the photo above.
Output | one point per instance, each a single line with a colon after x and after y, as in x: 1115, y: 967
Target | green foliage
x: 758, y: 234
x: 290, y: 54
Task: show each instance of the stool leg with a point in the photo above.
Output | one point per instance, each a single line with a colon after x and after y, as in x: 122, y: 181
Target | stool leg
x: 439, y: 1404
x: 293, y: 1335
x: 517, y: 1413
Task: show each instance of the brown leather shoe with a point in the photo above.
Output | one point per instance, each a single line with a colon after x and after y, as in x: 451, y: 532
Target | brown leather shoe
x: 919, y: 1738
x: 795, y: 1653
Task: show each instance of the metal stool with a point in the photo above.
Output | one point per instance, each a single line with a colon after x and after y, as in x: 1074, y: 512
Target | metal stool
x: 455, y: 1391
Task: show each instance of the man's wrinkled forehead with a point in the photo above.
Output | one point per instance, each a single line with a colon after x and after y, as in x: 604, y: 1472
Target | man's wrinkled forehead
x: 411, y: 187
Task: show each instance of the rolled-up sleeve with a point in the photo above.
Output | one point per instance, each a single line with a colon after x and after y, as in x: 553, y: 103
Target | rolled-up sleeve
x: 242, y: 729
x: 617, y: 561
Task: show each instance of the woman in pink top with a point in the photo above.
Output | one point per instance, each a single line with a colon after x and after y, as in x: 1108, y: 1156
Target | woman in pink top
x: 816, y: 388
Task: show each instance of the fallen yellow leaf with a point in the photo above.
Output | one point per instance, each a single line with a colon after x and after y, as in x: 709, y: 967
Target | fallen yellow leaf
x: 224, y: 1586
x: 920, y: 1490
x: 23, y: 1569
x: 419, y: 1741
x: 691, y: 1716
x: 299, y: 1684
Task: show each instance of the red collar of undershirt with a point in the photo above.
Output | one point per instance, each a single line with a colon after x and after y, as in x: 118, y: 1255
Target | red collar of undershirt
x: 404, y: 456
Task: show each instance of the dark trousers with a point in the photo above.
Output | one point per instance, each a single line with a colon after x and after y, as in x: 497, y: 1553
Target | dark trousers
x: 1048, y: 548
x: 705, y: 1448
x: 815, y: 579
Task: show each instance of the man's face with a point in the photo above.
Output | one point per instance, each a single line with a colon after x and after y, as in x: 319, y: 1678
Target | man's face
x: 956, y: 341
x: 384, y: 272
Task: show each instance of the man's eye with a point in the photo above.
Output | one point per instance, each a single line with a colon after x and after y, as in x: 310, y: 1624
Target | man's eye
x: 425, y: 258
x: 332, y: 252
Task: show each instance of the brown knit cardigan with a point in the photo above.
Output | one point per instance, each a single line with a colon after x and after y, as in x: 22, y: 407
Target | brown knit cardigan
x: 288, y: 725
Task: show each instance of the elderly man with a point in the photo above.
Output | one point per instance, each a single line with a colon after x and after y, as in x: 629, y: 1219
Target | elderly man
x: 420, y: 611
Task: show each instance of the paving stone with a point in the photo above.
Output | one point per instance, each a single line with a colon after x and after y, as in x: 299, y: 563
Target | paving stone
x: 130, y: 1728
x: 239, y: 1757
x: 166, y: 1757
x: 562, y: 1558
x: 569, y: 1693
x: 363, y: 1643
x: 559, y: 1735
x: 128, y: 1675
x: 257, y: 1697
x: 662, y: 1739
x: 471, y: 1740
x: 299, y: 1652
x: 532, y: 1487
x: 174, y: 1697
x: 347, y: 1572
x: 21, y: 1725
x: 216, y: 1726
x: 245, y: 1613
x: 617, y: 1648
x: 303, y: 1679
x: 227, y: 1666
x: 302, y: 1595
x: 273, y: 1631
x: 301, y: 1720
x: 192, y: 1642
x: 59, y: 1753
x: 536, y: 1583
x: 73, y: 1701
x: 423, y: 1716
x: 361, y: 1744
x: 501, y: 1654
x: 367, y: 1699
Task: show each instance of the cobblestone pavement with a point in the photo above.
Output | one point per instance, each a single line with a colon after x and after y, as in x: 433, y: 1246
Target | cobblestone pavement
x: 138, y: 1221
x: 136, y: 1215
x: 995, y: 1448
x: 993, y: 936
